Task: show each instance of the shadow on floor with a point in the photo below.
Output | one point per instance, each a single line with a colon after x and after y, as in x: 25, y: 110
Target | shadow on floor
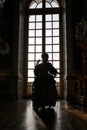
x: 48, y: 116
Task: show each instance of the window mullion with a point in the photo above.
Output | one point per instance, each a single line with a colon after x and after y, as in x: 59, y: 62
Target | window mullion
x: 43, y: 34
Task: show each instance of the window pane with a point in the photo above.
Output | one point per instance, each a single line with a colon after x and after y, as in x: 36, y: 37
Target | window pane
x: 48, y: 5
x: 32, y: 33
x: 38, y: 40
x: 38, y: 48
x: 48, y: 25
x: 48, y: 48
x: 48, y: 17
x: 31, y: 73
x: 48, y: 40
x: 56, y: 64
x: 55, y: 40
x: 39, y: 5
x: 30, y: 79
x: 55, y: 17
x: 32, y: 5
x: 30, y: 64
x: 30, y: 48
x: 38, y: 32
x: 32, y: 18
x: 31, y: 41
x: 38, y: 25
x: 57, y: 80
x: 38, y: 56
x: 38, y: 17
x: 30, y: 56
x: 48, y: 32
x: 55, y: 4
x: 56, y: 48
x: 56, y: 56
x: 31, y: 25
x: 56, y: 32
x: 55, y: 24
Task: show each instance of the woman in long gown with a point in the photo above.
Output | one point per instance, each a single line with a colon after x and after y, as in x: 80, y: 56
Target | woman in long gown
x: 44, y: 86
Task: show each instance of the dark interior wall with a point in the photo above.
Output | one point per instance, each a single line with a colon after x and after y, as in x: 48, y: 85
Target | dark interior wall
x: 85, y: 8
x: 78, y: 11
x: 9, y: 32
x: 6, y: 34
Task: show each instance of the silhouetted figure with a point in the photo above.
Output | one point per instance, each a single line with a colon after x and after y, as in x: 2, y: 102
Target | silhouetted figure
x: 44, y: 89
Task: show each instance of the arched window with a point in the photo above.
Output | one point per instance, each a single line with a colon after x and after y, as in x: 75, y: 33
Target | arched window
x: 44, y: 35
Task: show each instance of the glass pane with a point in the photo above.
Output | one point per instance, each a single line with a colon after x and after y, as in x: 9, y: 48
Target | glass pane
x: 48, y: 17
x: 55, y: 4
x: 48, y: 48
x: 58, y: 75
x: 30, y: 48
x: 38, y: 56
x: 39, y: 5
x: 52, y: 3
x: 38, y: 32
x: 36, y: 3
x: 31, y: 41
x: 30, y: 64
x: 48, y: 5
x: 48, y: 32
x: 55, y: 24
x: 57, y: 80
x: 56, y: 32
x: 56, y: 64
x: 32, y: 18
x: 31, y: 73
x: 48, y: 40
x: 56, y: 40
x: 32, y: 5
x: 56, y: 56
x: 56, y: 48
x: 30, y: 56
x: 32, y: 33
x: 39, y: 40
x: 31, y: 25
x: 55, y: 17
x: 38, y: 25
x: 48, y: 25
x: 38, y: 48
x: 30, y: 79
x: 38, y: 17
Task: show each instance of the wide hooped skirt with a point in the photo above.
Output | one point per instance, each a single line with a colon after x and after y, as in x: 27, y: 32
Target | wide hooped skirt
x: 44, y: 91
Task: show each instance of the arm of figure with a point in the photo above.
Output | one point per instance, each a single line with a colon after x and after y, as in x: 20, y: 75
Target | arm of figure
x: 38, y: 62
x: 36, y: 68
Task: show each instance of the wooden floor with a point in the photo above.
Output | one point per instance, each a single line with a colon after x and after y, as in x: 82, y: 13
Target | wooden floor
x: 20, y: 115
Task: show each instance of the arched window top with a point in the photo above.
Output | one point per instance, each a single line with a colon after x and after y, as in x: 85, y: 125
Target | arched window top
x: 48, y: 4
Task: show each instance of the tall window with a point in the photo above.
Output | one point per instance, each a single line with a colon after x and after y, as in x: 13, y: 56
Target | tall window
x: 43, y: 35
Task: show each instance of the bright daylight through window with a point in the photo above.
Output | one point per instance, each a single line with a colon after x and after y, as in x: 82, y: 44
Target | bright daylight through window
x: 43, y: 35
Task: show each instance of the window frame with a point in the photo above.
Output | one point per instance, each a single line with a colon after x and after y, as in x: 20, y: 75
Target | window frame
x: 47, y: 11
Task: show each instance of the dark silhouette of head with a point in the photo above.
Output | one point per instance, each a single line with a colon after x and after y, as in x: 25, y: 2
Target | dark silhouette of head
x: 45, y: 55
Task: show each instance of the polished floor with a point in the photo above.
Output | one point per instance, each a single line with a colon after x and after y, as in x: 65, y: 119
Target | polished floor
x: 20, y: 115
